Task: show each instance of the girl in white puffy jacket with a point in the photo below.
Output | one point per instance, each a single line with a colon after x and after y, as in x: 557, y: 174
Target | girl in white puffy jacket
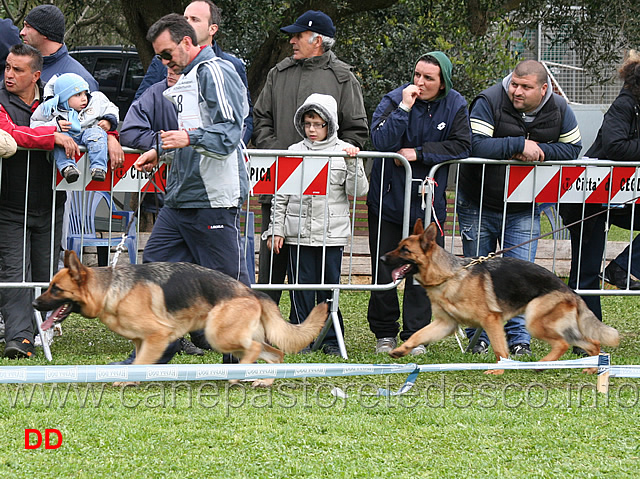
x: 309, y: 222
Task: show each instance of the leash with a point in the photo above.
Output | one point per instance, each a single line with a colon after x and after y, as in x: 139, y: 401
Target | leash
x: 120, y: 247
x: 502, y: 251
x: 431, y: 183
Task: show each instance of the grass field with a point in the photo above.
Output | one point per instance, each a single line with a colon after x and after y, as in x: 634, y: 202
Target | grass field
x: 457, y: 424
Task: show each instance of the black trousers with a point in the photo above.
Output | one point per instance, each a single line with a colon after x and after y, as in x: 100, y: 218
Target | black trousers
x: 384, y: 310
x: 271, y: 268
x: 307, y: 269
x: 16, y: 304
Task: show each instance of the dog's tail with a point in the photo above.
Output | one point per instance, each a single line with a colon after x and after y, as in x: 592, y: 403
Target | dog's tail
x: 592, y: 328
x: 291, y: 338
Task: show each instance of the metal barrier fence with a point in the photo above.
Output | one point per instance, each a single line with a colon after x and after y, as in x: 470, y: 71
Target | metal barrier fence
x: 545, y: 186
x: 583, y: 181
x: 267, y: 170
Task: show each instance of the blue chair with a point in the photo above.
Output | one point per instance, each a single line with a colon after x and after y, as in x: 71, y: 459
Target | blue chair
x: 82, y: 223
x: 550, y: 210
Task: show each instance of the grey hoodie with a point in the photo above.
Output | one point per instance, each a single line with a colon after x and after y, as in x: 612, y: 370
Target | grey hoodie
x: 291, y: 213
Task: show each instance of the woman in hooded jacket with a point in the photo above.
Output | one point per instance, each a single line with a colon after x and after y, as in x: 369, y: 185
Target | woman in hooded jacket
x: 427, y: 122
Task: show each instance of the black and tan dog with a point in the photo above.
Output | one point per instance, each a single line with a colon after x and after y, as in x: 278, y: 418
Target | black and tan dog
x: 155, y: 303
x: 488, y: 293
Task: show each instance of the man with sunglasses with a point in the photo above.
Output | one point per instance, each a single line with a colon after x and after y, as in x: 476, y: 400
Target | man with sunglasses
x: 207, y: 181
x: 205, y: 18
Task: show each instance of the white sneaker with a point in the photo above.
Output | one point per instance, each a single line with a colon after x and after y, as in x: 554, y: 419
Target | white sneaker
x: 385, y: 345
x: 418, y: 350
x: 48, y: 336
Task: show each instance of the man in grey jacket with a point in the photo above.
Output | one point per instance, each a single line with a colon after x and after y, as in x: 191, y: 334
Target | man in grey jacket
x: 207, y: 182
x: 313, y: 68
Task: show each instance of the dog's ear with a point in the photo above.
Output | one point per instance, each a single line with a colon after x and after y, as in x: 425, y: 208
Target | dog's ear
x: 418, y: 228
x: 67, y: 254
x: 429, y: 236
x: 77, y: 270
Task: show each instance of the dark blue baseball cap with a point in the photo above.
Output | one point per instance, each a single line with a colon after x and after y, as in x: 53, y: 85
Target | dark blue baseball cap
x: 315, y: 21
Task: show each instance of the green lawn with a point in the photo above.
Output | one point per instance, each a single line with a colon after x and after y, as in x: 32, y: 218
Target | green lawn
x: 457, y: 424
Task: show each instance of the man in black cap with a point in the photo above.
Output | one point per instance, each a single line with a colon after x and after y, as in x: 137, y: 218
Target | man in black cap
x: 44, y: 30
x: 313, y: 68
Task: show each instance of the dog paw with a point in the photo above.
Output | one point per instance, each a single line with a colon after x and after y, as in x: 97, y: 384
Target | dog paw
x: 122, y: 384
x: 495, y: 371
x: 399, y: 352
x: 589, y: 370
x: 262, y: 383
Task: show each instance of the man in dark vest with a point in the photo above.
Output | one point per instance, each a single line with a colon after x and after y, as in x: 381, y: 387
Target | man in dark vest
x: 522, y: 119
x: 26, y: 178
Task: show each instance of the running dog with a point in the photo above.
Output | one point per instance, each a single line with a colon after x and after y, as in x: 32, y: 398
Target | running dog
x: 488, y: 292
x: 154, y: 304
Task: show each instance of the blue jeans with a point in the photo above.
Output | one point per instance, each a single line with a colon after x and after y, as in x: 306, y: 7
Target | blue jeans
x: 95, y: 139
x: 479, y: 238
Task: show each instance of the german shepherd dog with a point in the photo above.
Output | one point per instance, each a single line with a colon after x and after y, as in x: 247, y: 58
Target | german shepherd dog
x: 488, y: 293
x: 153, y: 304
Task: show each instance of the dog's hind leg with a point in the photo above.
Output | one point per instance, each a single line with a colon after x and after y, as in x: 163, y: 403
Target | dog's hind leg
x: 494, y: 327
x: 439, y: 328
x: 270, y: 355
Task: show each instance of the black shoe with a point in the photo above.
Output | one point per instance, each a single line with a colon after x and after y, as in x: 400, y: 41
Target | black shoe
x: 187, y: 347
x: 98, y: 174
x: 331, y: 349
x: 481, y: 347
x: 615, y: 275
x: 580, y: 352
x: 199, y: 340
x: 125, y: 362
x: 71, y: 174
x: 19, y: 348
x: 521, y: 349
x: 228, y: 358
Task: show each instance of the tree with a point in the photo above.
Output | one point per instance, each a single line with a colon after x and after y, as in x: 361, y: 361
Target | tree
x: 380, y: 38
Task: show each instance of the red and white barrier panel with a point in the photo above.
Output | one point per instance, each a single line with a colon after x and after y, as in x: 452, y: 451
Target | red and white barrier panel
x: 573, y: 184
x: 125, y: 179
x: 286, y: 174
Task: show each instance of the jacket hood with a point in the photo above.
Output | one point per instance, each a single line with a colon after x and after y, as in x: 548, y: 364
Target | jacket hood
x: 325, y: 106
x: 445, y: 68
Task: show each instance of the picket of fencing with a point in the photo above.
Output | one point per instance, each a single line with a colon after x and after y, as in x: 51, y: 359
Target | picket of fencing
x: 302, y: 172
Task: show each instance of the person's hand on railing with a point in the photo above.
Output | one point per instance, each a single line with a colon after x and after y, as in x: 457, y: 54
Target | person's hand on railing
x: 116, y: 154
x: 531, y: 152
x: 71, y: 148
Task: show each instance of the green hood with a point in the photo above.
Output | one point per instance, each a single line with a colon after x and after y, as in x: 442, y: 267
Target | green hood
x: 445, y: 68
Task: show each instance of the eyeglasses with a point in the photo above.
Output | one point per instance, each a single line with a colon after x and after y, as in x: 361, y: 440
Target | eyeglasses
x: 315, y: 126
x: 166, y: 54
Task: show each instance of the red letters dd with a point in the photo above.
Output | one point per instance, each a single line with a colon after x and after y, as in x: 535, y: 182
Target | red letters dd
x: 47, y: 439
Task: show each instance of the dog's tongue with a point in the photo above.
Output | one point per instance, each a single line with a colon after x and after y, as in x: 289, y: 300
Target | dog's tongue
x: 398, y: 273
x: 48, y: 323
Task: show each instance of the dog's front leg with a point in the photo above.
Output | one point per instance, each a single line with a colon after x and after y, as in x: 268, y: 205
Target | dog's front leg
x: 439, y: 328
x: 494, y: 327
x: 151, y: 349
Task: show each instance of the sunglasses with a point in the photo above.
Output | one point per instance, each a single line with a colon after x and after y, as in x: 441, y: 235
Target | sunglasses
x: 166, y: 54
